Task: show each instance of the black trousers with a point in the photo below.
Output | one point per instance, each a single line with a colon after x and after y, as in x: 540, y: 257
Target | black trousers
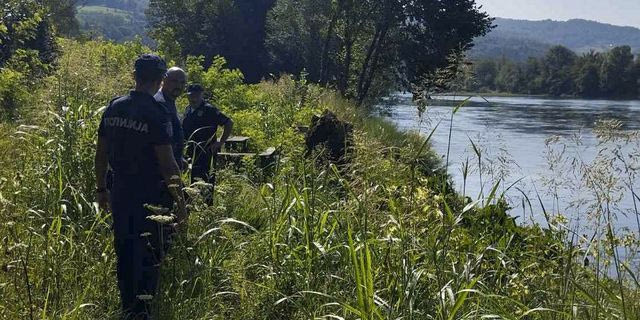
x: 202, y: 163
x: 140, y: 244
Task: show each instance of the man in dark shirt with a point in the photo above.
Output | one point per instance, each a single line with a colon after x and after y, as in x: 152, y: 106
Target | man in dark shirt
x: 134, y: 140
x: 200, y: 123
x: 172, y: 87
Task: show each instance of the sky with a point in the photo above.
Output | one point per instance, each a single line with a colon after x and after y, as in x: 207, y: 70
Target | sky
x: 617, y: 12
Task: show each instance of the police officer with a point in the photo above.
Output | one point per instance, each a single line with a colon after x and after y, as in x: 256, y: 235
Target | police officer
x: 134, y: 140
x: 172, y: 87
x: 200, y: 123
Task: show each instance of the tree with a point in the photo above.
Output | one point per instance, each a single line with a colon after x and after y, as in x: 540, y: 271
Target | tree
x: 557, y: 75
x: 637, y: 73
x: 587, y: 74
x: 25, y: 29
x: 432, y: 30
x: 532, y: 76
x: 561, y: 72
x: 234, y: 29
x: 363, y: 46
x: 485, y: 73
x: 62, y: 14
x: 296, y: 39
x: 508, y: 78
x: 617, y: 73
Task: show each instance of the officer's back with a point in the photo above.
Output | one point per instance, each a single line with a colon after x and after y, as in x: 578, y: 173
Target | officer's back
x: 134, y: 124
x: 135, y: 141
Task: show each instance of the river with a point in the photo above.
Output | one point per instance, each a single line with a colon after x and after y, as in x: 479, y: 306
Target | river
x: 544, y: 147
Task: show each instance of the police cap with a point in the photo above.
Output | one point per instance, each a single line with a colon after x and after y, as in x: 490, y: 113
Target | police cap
x: 150, y: 64
x: 195, y: 87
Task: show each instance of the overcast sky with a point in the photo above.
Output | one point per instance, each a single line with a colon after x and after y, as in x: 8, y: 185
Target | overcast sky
x: 618, y: 12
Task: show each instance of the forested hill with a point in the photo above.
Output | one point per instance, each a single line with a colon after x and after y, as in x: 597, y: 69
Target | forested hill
x: 519, y: 39
x: 128, y: 5
x: 118, y: 20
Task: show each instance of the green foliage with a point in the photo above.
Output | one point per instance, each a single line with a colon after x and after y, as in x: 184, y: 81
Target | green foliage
x: 485, y: 74
x: 113, y: 24
x: 24, y: 25
x: 612, y: 74
x: 52, y: 187
x: 12, y: 93
x: 588, y: 75
x: 129, y: 5
x: 618, y: 77
x: 557, y: 65
x: 62, y: 14
x: 508, y: 78
x: 383, y: 237
x: 232, y: 29
x: 363, y: 48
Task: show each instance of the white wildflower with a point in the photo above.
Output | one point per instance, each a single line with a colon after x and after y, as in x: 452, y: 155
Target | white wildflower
x: 144, y: 297
x: 162, y: 219
x: 156, y: 209
x: 192, y: 192
x: 200, y: 183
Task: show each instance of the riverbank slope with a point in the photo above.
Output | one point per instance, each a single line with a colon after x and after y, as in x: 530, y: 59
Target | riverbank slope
x: 383, y: 237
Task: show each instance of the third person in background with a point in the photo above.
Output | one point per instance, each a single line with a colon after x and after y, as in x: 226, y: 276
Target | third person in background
x: 200, y: 123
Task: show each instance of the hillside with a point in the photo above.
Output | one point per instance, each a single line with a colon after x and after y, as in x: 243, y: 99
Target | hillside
x: 381, y: 237
x: 118, y: 20
x: 519, y: 39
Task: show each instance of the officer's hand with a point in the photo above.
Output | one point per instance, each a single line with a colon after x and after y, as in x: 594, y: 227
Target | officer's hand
x: 104, y: 200
x: 216, y: 146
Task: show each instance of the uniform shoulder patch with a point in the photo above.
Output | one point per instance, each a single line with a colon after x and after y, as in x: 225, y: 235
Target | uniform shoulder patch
x: 212, y: 108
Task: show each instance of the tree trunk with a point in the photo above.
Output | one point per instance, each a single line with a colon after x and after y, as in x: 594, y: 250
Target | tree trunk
x: 324, y: 70
x: 370, y: 65
x: 367, y: 60
x: 343, y: 85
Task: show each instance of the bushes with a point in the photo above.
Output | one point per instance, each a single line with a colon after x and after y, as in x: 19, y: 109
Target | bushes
x: 12, y: 93
x: 380, y: 238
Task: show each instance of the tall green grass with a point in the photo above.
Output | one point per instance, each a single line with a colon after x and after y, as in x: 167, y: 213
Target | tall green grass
x: 378, y: 238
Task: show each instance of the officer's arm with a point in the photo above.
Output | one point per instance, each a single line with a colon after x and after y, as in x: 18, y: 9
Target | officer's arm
x: 171, y: 174
x: 228, y: 127
x: 100, y: 167
x: 101, y: 163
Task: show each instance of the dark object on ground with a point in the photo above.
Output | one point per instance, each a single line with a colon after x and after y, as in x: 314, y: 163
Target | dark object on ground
x: 264, y: 159
x: 237, y: 144
x: 335, y: 135
x: 302, y: 129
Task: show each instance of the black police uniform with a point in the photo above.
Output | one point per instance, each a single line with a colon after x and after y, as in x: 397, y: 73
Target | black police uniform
x: 178, y: 136
x: 133, y: 125
x: 200, y: 125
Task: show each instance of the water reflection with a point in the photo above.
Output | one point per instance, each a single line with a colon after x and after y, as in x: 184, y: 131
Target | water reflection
x: 513, y: 132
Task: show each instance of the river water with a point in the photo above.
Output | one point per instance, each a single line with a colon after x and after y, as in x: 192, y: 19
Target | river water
x: 548, y: 149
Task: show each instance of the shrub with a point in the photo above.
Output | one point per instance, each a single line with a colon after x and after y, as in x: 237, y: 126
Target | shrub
x: 13, y: 93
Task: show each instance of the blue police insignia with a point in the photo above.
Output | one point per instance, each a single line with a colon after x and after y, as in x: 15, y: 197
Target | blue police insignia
x: 127, y: 123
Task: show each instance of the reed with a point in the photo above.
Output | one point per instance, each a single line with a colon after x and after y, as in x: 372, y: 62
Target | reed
x: 383, y: 237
